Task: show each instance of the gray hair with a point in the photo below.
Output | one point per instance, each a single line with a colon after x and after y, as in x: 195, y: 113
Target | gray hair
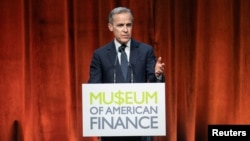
x: 119, y: 10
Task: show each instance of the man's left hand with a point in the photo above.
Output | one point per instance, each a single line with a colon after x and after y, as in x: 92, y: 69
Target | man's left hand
x: 159, y: 67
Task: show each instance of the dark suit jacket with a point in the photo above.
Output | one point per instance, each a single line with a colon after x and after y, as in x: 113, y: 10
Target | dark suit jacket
x: 104, y: 65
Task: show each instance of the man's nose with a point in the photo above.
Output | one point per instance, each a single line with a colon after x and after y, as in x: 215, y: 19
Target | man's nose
x: 125, y: 28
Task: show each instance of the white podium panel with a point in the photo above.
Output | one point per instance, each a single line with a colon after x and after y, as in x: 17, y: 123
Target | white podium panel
x: 124, y: 109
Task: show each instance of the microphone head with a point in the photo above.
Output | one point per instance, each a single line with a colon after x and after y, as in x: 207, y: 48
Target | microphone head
x: 120, y: 49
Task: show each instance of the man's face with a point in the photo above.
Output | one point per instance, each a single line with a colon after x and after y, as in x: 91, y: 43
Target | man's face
x: 121, y: 27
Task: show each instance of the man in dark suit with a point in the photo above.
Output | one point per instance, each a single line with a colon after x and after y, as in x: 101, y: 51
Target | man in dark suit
x: 142, y: 65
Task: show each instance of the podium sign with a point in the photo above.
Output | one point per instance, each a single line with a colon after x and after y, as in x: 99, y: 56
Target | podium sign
x: 124, y: 109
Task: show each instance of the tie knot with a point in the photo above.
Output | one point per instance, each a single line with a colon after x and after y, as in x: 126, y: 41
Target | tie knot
x: 122, y: 47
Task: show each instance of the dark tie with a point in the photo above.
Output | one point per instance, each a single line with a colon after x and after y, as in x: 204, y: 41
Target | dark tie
x: 124, y: 61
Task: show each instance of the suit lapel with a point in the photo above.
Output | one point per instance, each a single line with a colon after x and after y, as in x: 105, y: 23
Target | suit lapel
x: 134, y: 52
x: 111, y: 53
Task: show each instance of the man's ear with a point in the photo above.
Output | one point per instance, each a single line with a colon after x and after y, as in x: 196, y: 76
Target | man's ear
x: 110, y: 26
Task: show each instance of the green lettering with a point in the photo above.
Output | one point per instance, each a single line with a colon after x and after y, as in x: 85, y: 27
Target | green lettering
x: 153, y: 96
x: 97, y: 97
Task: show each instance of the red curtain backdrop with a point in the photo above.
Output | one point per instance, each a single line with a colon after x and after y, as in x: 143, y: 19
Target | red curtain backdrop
x: 46, y: 47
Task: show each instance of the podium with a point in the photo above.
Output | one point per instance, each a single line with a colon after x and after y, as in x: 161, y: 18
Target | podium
x: 123, y: 109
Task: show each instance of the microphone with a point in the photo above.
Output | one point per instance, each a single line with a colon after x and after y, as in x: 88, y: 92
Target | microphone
x: 131, y: 73
x: 121, y: 50
x: 115, y: 64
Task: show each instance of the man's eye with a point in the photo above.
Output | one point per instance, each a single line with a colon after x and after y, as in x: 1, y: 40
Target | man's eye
x: 129, y: 25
